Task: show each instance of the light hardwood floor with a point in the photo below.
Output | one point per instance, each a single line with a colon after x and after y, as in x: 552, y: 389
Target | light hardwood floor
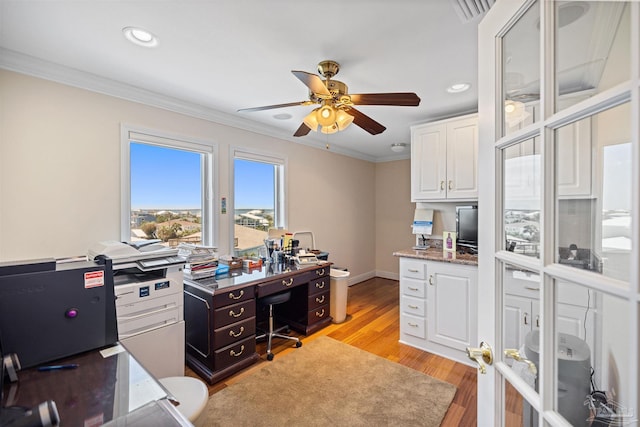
x: 372, y: 325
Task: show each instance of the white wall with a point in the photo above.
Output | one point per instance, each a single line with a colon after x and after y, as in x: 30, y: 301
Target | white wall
x: 60, y: 175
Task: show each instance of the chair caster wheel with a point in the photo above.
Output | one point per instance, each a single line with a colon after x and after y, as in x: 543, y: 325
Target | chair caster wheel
x: 269, y: 356
x: 298, y: 344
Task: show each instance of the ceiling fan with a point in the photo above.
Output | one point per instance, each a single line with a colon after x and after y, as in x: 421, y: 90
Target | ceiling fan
x: 336, y: 110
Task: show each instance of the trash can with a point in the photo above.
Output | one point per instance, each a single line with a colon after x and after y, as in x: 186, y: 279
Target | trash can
x: 339, y: 291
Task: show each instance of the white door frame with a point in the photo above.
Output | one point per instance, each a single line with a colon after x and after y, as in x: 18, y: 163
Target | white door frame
x: 490, y: 406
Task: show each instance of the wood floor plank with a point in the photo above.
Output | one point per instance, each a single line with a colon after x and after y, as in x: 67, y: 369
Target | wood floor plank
x: 372, y: 325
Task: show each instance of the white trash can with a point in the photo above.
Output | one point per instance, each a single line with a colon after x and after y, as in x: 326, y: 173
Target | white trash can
x: 339, y: 291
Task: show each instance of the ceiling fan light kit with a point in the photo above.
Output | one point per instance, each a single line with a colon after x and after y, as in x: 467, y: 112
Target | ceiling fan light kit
x: 398, y: 147
x: 336, y: 111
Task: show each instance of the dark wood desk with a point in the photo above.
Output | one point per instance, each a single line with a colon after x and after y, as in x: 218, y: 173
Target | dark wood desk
x: 221, y: 315
x: 106, y: 386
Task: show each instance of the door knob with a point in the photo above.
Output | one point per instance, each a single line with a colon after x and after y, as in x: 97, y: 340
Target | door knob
x: 483, y: 356
x: 514, y: 354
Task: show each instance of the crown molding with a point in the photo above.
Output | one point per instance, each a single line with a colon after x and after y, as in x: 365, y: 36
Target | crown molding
x: 35, y: 67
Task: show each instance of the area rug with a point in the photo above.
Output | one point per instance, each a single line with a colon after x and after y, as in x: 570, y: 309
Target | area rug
x: 329, y: 383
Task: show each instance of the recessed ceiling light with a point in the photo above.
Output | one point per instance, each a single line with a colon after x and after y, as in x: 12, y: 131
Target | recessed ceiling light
x: 282, y: 116
x: 140, y: 36
x: 458, y: 87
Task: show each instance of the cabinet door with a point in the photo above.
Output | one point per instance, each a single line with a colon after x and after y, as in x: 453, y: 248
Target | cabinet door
x: 451, y: 302
x: 428, y: 162
x: 517, y: 320
x: 462, y: 159
x: 573, y: 147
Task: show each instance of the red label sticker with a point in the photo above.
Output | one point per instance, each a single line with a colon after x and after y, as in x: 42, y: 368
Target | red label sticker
x: 93, y: 279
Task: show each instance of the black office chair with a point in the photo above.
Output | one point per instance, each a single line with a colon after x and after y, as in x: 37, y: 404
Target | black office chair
x: 272, y: 300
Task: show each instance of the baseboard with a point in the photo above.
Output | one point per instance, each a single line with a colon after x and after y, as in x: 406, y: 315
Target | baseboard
x: 388, y: 275
x: 371, y: 274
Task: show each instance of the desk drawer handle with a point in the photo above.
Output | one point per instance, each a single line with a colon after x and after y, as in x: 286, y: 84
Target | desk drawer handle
x: 232, y: 296
x: 284, y: 282
x: 320, y: 300
x: 233, y: 353
x: 233, y: 314
x: 233, y: 334
x: 320, y: 272
x: 320, y: 285
x: 321, y: 314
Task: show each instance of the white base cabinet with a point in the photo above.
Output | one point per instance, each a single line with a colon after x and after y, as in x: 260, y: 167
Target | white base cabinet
x: 438, y: 309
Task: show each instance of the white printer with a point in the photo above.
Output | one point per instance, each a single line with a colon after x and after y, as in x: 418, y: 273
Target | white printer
x: 148, y: 281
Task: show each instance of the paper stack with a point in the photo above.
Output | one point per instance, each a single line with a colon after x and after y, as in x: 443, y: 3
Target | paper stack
x: 201, y: 261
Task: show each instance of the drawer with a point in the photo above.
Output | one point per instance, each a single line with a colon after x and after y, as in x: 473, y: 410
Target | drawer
x: 234, y: 332
x: 415, y: 306
x: 317, y: 286
x: 413, y: 269
x: 317, y: 314
x: 279, y: 285
x: 413, y: 288
x: 234, y: 313
x: 413, y: 325
x: 232, y: 354
x: 224, y: 297
x: 317, y: 300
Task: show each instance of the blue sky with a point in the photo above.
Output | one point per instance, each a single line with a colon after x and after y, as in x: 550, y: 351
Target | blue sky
x: 165, y: 178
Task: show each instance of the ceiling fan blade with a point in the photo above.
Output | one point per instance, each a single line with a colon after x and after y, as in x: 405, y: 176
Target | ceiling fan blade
x: 407, y: 99
x: 270, y: 107
x: 365, y: 122
x: 313, y: 82
x: 302, y: 130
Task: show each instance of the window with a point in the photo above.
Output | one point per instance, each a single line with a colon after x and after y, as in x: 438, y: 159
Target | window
x: 166, y: 189
x: 258, y: 197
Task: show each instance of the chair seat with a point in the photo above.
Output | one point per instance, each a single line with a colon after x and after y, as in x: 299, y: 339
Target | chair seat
x: 276, y: 298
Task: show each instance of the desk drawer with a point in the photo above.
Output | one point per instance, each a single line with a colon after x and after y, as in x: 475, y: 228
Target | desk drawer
x: 319, y: 285
x: 224, y: 297
x: 234, y: 332
x: 279, y: 285
x: 234, y: 313
x: 233, y: 353
x: 317, y: 300
x: 317, y: 314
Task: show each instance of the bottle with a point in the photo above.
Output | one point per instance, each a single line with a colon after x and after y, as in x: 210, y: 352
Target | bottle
x: 449, y: 242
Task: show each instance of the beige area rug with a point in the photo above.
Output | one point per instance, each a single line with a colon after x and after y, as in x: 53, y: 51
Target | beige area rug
x: 328, y: 383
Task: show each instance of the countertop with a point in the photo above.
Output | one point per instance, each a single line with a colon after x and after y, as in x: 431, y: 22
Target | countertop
x: 437, y: 254
x: 246, y: 277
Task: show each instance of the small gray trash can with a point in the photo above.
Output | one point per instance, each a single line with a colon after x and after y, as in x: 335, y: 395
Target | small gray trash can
x: 339, y: 290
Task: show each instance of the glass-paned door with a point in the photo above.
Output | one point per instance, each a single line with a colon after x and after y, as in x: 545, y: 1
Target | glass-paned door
x: 559, y: 293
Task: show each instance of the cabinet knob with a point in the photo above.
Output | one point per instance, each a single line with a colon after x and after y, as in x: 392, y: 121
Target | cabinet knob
x: 232, y: 296
x: 233, y: 314
x: 442, y: 185
x: 234, y: 354
x: 431, y: 280
x: 450, y: 185
x: 525, y: 318
x: 240, y: 332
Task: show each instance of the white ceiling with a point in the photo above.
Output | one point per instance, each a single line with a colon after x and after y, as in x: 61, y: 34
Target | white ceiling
x: 215, y: 57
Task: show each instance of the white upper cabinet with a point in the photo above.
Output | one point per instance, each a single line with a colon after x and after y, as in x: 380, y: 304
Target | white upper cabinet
x: 444, y: 160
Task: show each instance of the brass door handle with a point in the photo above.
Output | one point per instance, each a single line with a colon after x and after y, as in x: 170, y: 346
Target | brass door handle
x: 482, y: 356
x: 514, y: 354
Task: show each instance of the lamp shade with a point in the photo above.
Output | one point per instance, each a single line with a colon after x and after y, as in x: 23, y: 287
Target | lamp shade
x: 326, y: 115
x: 311, y: 120
x: 343, y: 120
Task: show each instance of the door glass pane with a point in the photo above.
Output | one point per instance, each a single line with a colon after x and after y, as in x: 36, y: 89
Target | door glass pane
x: 593, y: 375
x: 521, y: 72
x: 517, y: 411
x: 521, y: 315
x: 522, y: 197
x: 593, y: 187
x: 593, y: 49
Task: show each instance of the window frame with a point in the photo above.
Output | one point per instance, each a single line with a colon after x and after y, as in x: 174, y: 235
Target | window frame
x: 208, y: 150
x: 280, y: 183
